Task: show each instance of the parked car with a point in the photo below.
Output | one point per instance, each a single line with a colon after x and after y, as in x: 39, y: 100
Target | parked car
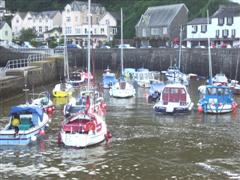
x: 145, y: 46
x: 105, y: 47
x: 73, y: 46
x: 126, y: 46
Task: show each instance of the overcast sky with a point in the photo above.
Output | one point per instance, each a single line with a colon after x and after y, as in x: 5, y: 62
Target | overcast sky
x: 238, y: 1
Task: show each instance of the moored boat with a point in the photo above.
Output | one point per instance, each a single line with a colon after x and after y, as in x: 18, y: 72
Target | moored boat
x: 143, y: 77
x: 83, y: 130
x: 109, y: 78
x: 76, y: 78
x: 26, y: 123
x: 155, y: 91
x: 174, y: 99
x: 235, y: 87
x: 216, y: 100
x: 44, y: 101
x: 62, y: 90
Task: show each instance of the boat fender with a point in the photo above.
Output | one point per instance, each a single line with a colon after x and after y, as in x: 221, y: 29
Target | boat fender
x: 234, y: 106
x: 200, y: 109
x: 59, y: 139
x: 108, y: 136
x: 33, y: 138
x: 41, y: 132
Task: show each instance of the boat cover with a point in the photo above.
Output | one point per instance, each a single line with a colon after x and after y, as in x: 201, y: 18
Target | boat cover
x: 27, y: 108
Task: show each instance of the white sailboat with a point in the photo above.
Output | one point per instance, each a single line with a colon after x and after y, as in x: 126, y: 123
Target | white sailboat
x: 86, y: 127
x: 122, y: 89
x: 64, y: 89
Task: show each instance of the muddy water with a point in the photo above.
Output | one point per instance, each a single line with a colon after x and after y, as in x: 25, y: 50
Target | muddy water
x: 144, y: 146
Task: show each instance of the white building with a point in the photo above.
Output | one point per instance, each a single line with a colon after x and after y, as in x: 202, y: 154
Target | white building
x: 2, y: 8
x: 222, y: 30
x: 75, y: 23
x: 39, y: 21
x: 5, y: 32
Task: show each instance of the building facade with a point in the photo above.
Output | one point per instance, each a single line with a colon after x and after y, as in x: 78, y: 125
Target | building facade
x: 223, y: 28
x: 75, y: 23
x: 5, y: 32
x: 39, y: 21
x: 161, y: 22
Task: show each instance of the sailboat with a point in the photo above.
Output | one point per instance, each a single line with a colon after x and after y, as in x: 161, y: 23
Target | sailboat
x: 122, y: 89
x: 85, y: 127
x: 109, y: 78
x: 64, y: 89
x: 173, y: 73
x: 215, y: 99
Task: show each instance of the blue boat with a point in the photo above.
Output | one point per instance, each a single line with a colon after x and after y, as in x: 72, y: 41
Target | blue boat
x: 216, y: 99
x: 109, y: 78
x: 26, y: 123
x: 155, y: 91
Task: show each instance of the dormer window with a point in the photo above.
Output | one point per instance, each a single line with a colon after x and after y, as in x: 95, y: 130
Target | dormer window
x: 220, y: 21
x: 229, y: 21
x: 225, y: 33
x: 194, y: 29
x: 203, y: 28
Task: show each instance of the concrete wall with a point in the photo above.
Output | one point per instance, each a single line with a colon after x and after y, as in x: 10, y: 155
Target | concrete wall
x: 193, y: 60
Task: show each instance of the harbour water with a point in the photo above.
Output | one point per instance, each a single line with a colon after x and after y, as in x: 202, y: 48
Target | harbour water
x: 144, y: 145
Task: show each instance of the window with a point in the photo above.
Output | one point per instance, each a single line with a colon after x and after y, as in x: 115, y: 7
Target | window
x: 46, y: 28
x: 6, y: 33
x: 46, y: 20
x: 76, y: 18
x: 217, y: 33
x: 86, y: 19
x: 95, y: 31
x: 34, y: 28
x: 203, y: 28
x: 78, y: 30
x: 68, y: 30
x: 40, y: 20
x: 144, y: 33
x: 68, y: 19
x: 225, y: 32
x: 229, y: 20
x: 102, y: 30
x: 97, y: 20
x: 17, y: 20
x: 29, y: 18
x: 194, y: 29
x: 220, y: 21
x: 165, y: 31
x: 40, y: 29
x: 107, y: 22
x: 233, y: 32
x: 86, y: 31
x: 154, y: 31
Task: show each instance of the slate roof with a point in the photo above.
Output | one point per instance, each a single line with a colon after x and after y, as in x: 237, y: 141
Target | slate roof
x: 22, y: 14
x: 160, y: 15
x: 77, y: 5
x: 49, y: 14
x: 227, y: 11
x: 2, y: 23
x: 198, y: 21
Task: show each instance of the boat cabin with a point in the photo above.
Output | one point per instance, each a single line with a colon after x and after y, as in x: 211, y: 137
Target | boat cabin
x: 174, y: 94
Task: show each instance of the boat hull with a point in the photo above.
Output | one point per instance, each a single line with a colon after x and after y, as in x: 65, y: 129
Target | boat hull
x: 122, y: 93
x: 173, y: 108
x: 24, y: 137
x: 82, y: 140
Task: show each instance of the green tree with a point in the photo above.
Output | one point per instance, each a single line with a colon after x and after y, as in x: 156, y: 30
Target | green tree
x: 27, y: 35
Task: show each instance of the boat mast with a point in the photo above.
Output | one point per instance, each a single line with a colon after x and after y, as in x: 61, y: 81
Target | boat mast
x: 89, y: 36
x: 209, y: 52
x: 180, y: 49
x: 66, y: 68
x: 121, y: 42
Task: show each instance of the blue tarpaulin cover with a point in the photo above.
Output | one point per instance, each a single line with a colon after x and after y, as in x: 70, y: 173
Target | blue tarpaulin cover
x: 27, y: 108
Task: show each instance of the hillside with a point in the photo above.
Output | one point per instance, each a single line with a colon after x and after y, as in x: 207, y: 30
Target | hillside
x: 132, y: 11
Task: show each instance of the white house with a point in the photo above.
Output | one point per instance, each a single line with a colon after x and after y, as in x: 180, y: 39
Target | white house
x: 223, y: 28
x: 53, y: 33
x: 39, y: 21
x: 75, y: 23
x: 5, y: 32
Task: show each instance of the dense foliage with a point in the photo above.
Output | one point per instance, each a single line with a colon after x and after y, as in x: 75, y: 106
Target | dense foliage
x: 132, y: 11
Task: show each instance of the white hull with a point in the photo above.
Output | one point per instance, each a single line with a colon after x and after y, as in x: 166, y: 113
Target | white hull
x: 84, y: 140
x: 127, y: 92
